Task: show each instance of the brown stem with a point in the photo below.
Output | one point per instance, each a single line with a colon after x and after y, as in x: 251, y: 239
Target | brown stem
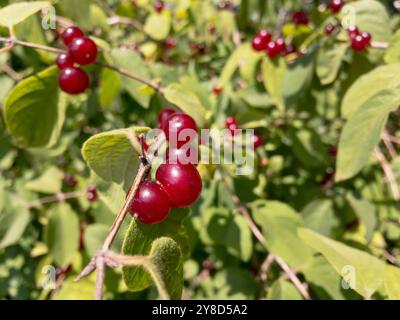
x: 12, y: 41
x: 123, y: 20
x: 390, y: 177
x: 260, y: 237
x: 59, y: 197
x: 131, y: 75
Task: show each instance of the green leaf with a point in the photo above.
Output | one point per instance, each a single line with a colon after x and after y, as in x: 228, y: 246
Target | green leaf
x: 308, y: 148
x: 73, y: 290
x: 34, y: 114
x: 242, y: 55
x: 112, y: 154
x: 371, y: 16
x: 77, y: 10
x: 94, y: 236
x: 14, y: 219
x: 279, y: 221
x: 368, y: 85
x: 138, y: 241
x: 329, y: 61
x: 221, y: 227
x: 110, y: 83
x: 187, y: 101
x: 362, y: 133
x: 365, y: 211
x: 362, y: 271
x: 392, y: 54
x: 18, y: 12
x: 234, y: 284
x: 283, y: 290
x: 392, y: 282
x: 324, y: 279
x: 273, y: 72
x: 132, y: 62
x: 158, y: 25
x: 298, y: 77
x: 49, y: 182
x: 166, y: 267
x: 62, y: 233
x: 319, y: 216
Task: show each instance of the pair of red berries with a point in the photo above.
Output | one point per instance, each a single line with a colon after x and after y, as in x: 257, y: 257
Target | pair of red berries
x: 300, y: 18
x: 177, y: 185
x: 81, y: 51
x: 232, y: 125
x: 336, y: 5
x: 263, y: 42
x: 359, y: 40
x: 91, y: 193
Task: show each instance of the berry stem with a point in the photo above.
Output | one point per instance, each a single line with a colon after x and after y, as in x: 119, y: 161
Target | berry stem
x: 131, y: 75
x: 10, y: 41
x: 59, y: 197
x: 291, y: 274
x: 102, y: 259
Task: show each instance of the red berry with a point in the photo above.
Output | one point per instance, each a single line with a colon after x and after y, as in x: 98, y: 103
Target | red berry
x: 264, y: 35
x: 182, y: 183
x: 230, y: 121
x: 358, y: 43
x: 151, y: 203
x: 163, y: 116
x: 257, y: 141
x: 170, y: 43
x: 258, y: 44
x: 367, y: 38
x: 159, y: 6
x: 73, y: 80
x: 71, y: 33
x: 336, y: 5
x: 329, y: 29
x: 281, y: 45
x: 83, y: 50
x: 300, y: 17
x: 352, y: 31
x: 174, y: 126
x: 64, y: 60
x: 91, y: 193
x: 181, y: 156
x: 70, y: 180
x: 217, y: 90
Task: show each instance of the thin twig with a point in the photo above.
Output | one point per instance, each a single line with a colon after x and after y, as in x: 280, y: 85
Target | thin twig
x: 388, y: 144
x: 387, y: 169
x: 131, y: 75
x: 123, y: 20
x: 12, y: 41
x: 59, y: 197
x: 379, y: 45
x: 260, y: 237
x: 104, y: 258
x: 10, y: 72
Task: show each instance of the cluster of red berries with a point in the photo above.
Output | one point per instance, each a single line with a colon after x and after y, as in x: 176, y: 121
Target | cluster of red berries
x: 336, y: 5
x: 81, y: 51
x: 232, y: 125
x: 263, y: 42
x: 177, y: 185
x: 359, y: 40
